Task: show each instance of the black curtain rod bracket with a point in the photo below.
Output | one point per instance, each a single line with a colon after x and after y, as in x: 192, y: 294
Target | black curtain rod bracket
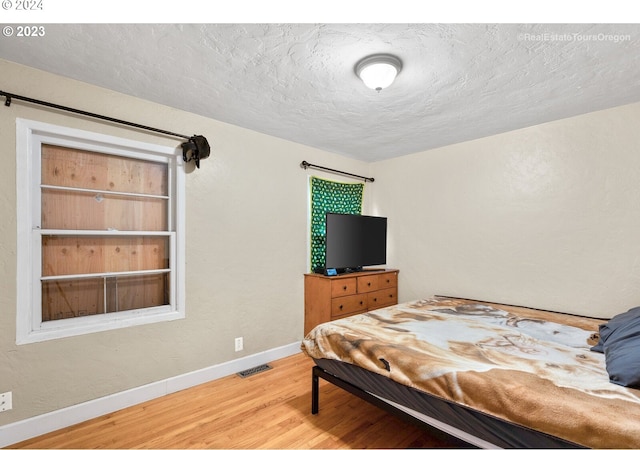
x: 195, y: 149
x: 305, y: 165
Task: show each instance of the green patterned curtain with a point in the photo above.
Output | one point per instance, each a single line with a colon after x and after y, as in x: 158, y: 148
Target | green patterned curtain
x: 330, y: 196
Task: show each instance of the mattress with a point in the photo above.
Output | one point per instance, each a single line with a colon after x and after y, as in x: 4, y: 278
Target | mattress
x: 529, y: 368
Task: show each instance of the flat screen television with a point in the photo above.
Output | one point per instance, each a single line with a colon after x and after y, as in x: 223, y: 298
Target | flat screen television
x: 354, y: 241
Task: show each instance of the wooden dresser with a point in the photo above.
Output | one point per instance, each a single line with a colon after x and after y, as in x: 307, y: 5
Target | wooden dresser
x: 329, y: 298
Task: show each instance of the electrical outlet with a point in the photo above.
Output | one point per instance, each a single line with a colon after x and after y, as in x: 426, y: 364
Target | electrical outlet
x: 6, y: 402
x: 239, y: 344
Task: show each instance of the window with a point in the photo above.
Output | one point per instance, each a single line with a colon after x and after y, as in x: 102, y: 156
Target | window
x: 330, y: 196
x: 100, y: 232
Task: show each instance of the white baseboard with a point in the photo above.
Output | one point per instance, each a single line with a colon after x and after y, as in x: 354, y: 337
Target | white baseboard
x: 35, y: 426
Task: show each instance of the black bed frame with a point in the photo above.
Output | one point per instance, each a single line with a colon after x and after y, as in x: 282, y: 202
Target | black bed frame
x: 485, y: 428
x: 318, y: 372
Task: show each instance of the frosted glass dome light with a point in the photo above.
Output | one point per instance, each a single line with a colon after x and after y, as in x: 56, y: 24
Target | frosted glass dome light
x: 378, y: 71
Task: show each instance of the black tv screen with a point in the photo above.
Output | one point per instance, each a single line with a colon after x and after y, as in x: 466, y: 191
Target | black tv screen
x: 354, y: 241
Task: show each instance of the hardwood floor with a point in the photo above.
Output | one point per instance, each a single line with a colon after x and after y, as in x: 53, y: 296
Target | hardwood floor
x: 266, y: 410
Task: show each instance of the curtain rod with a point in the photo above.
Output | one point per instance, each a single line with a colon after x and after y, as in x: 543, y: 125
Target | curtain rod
x: 305, y: 165
x: 9, y: 96
x: 195, y: 149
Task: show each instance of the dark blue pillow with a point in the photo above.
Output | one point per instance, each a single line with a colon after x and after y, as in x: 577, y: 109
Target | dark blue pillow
x: 622, y: 354
x: 608, y: 328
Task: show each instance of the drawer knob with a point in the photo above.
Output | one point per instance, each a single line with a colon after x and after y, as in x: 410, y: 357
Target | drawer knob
x: 369, y: 283
x: 375, y: 299
x: 340, y: 307
x: 388, y: 280
x: 390, y: 295
x: 344, y: 288
x: 361, y: 302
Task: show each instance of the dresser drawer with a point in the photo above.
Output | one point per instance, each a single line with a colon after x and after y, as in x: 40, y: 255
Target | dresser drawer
x: 382, y: 298
x: 368, y: 283
x: 341, y: 287
x: 387, y: 280
x: 350, y: 304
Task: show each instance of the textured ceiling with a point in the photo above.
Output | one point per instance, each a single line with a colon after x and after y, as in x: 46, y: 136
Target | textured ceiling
x: 297, y: 81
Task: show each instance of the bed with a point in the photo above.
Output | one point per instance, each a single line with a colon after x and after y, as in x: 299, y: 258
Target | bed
x: 490, y: 374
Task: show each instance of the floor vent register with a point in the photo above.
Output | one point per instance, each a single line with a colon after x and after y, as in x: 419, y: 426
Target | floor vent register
x: 253, y: 370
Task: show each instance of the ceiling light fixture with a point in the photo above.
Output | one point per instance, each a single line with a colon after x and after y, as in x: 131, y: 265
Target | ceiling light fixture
x: 378, y: 71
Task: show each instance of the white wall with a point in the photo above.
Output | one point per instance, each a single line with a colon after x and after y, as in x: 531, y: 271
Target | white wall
x: 547, y: 216
x: 247, y: 240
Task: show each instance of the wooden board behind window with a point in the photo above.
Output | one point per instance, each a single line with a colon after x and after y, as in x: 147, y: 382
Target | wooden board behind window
x: 142, y: 292
x: 63, y: 166
x: 72, y: 210
x: 101, y: 211
x: 69, y: 255
x: 63, y: 299
x: 73, y: 168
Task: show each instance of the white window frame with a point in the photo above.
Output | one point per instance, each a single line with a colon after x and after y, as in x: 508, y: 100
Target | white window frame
x: 30, y: 136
